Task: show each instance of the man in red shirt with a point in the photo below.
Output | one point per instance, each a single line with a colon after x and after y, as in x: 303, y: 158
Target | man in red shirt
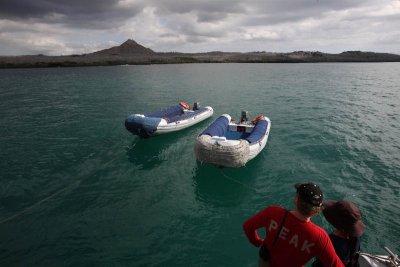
x: 291, y: 239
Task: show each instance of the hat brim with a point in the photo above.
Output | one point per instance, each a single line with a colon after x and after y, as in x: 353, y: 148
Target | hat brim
x: 328, y: 214
x: 329, y: 203
x: 356, y: 229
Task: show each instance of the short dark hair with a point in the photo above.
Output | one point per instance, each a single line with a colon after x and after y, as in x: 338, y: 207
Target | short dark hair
x: 310, y: 193
x: 306, y: 208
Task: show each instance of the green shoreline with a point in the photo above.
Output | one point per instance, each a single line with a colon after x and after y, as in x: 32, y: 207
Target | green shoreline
x: 131, y: 53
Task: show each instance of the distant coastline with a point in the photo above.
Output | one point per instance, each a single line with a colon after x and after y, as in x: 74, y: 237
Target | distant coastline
x: 131, y: 53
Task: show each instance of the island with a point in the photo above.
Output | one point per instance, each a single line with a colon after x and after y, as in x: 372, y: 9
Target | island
x: 132, y: 53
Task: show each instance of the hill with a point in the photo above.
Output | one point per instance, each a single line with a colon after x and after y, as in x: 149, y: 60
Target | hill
x: 132, y: 53
x: 129, y: 47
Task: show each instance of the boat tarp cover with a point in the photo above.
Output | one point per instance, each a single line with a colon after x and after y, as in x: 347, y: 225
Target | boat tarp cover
x: 174, y: 113
x: 258, y: 132
x: 186, y: 115
x: 217, y: 128
x: 166, y: 113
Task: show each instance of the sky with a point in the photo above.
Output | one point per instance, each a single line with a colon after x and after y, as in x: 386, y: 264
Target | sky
x: 65, y: 27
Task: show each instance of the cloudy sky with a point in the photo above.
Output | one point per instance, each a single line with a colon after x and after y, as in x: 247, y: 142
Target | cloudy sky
x: 62, y: 27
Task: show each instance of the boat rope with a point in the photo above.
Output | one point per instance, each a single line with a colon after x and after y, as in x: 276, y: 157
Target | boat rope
x: 236, y: 181
x: 37, y: 204
x: 269, y: 198
x: 274, y: 200
x: 40, y: 202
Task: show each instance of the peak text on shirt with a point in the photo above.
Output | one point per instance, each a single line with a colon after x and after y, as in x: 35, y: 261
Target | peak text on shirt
x: 292, y: 239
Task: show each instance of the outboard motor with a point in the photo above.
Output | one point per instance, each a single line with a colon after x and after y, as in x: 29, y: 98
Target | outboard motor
x: 196, y: 105
x: 244, y: 116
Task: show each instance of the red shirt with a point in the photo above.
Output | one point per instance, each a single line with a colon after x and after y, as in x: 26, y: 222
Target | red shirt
x: 298, y: 242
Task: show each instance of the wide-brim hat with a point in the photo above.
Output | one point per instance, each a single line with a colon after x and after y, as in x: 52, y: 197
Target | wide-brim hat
x: 344, y: 216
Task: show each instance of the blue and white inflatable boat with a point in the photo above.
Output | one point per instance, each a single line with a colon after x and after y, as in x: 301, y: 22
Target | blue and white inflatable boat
x: 230, y: 143
x: 167, y: 120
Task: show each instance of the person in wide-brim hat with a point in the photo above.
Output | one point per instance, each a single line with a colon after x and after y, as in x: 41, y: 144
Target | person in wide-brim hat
x: 344, y: 216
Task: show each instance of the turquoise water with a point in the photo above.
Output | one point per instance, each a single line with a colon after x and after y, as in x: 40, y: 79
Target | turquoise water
x: 77, y: 189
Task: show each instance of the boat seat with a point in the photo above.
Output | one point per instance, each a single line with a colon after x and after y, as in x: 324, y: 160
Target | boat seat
x: 218, y: 127
x: 258, y: 132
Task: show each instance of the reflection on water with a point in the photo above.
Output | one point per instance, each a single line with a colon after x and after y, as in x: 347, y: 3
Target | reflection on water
x: 223, y: 186
x: 148, y: 153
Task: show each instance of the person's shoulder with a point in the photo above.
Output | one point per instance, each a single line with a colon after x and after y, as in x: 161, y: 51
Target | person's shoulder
x: 319, y: 229
x: 271, y: 211
x: 276, y: 208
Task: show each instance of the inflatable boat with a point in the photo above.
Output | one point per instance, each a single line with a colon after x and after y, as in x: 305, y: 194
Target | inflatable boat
x: 229, y: 143
x: 167, y: 120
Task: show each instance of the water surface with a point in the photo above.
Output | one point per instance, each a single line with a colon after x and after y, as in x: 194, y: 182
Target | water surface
x: 77, y: 189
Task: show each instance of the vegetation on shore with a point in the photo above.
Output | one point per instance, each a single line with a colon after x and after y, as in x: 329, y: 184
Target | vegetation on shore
x: 131, y: 53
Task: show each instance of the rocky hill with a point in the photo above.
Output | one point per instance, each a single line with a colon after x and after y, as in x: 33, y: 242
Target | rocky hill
x: 132, y: 53
x: 129, y: 47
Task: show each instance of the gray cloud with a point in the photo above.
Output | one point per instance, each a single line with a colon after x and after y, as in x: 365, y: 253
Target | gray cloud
x: 41, y: 8
x: 221, y: 6
x: 275, y: 11
x: 210, y: 16
x: 74, y: 13
x: 73, y: 26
